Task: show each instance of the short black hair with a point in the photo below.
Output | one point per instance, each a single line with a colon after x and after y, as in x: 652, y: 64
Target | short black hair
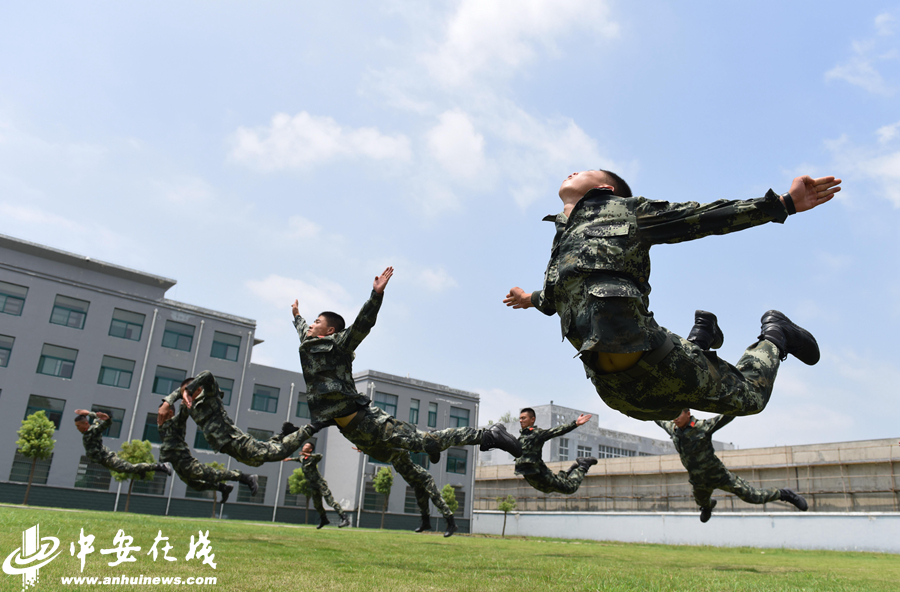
x: 81, y: 418
x: 186, y: 382
x: 334, y: 320
x: 529, y: 410
x: 620, y: 187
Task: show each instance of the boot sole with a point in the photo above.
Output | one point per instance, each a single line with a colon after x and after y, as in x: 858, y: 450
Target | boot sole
x: 809, y: 357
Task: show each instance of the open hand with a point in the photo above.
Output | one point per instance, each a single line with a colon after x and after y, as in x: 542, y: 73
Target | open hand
x: 517, y: 298
x: 382, y: 280
x: 81, y: 412
x: 164, y: 414
x: 808, y: 193
x: 102, y: 416
x: 295, y: 308
x: 583, y: 419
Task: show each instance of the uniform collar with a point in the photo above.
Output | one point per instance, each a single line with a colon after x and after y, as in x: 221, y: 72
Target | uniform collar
x: 595, y: 194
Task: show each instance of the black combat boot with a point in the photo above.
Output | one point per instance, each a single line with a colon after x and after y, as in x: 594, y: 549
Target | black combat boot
x: 706, y: 333
x: 585, y: 462
x: 426, y: 524
x: 496, y: 436
x: 790, y: 497
x: 287, y: 428
x: 789, y: 338
x: 451, y: 526
x: 706, y: 512
x: 344, y: 521
x: 323, y: 522
x: 251, y: 481
x: 225, y: 489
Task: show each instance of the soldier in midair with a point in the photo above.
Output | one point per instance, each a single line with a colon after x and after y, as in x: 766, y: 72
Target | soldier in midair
x: 92, y: 425
x: 531, y: 464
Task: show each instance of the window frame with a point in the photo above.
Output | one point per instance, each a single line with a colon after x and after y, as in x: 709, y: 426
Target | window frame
x: 265, y: 396
x: 167, y: 332
x: 120, y: 372
x: 226, y: 345
x: 5, y: 297
x: 457, y: 455
x: 127, y: 325
x: 69, y: 308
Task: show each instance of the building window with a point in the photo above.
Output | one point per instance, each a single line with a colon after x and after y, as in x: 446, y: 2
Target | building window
x: 432, y: 415
x: 265, y: 398
x: 155, y: 486
x: 191, y: 493
x: 303, y: 407
x: 459, y: 418
x: 12, y: 298
x: 167, y: 379
x: 126, y: 324
x: 420, y: 458
x: 116, y: 372
x: 414, y: 411
x: 563, y: 449
x: 52, y: 408
x: 200, y: 442
x: 260, y: 497
x: 386, y: 402
x: 456, y: 460
x: 225, y: 346
x: 585, y: 451
x: 151, y: 431
x: 57, y: 361
x: 6, y: 346
x: 372, y: 501
x: 461, y: 501
x: 292, y: 499
x: 92, y: 475
x: 115, y: 418
x: 21, y: 468
x: 226, y: 385
x: 261, y: 435
x: 178, y: 336
x: 69, y: 312
x: 613, y: 452
x: 410, y: 504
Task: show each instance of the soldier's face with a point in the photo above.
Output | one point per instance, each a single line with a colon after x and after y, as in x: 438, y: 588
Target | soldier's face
x: 319, y: 328
x: 526, y: 420
x: 683, y: 419
x: 577, y: 184
x: 307, y: 449
x: 82, y: 426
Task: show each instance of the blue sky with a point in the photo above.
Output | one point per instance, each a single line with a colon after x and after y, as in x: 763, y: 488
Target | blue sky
x: 261, y: 152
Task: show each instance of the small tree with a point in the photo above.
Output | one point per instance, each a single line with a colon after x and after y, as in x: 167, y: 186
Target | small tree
x: 383, y: 482
x: 219, y: 467
x: 506, y: 417
x: 506, y: 505
x: 449, y: 494
x: 298, y: 484
x: 35, y: 442
x: 134, y: 452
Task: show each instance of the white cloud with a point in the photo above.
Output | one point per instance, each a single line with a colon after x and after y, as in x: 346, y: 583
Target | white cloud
x: 301, y: 228
x: 878, y: 163
x: 186, y: 191
x: 455, y: 144
x: 435, y: 280
x: 501, y: 36
x: 304, y: 141
x: 862, y: 68
x: 884, y: 24
x: 888, y: 132
x: 29, y: 215
x: 280, y: 291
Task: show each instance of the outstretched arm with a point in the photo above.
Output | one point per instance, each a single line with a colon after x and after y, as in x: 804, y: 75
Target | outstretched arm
x: 518, y: 298
x: 718, y: 422
x: 669, y: 426
x: 365, y: 320
x: 807, y: 193
x: 300, y: 323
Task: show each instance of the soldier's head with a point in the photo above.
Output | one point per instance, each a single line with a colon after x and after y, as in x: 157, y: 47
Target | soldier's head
x: 526, y: 417
x: 683, y: 418
x: 326, y: 324
x: 577, y: 184
x: 82, y: 423
x: 308, y: 448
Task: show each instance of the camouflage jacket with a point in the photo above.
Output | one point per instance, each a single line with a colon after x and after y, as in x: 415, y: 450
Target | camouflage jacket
x: 327, y: 364
x: 602, y: 249
x: 172, y: 433
x: 93, y: 438
x: 532, y: 440
x: 308, y: 465
x: 208, y: 410
x: 694, y: 445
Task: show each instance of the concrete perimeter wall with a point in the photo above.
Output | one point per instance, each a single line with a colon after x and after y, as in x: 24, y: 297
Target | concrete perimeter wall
x: 836, y: 531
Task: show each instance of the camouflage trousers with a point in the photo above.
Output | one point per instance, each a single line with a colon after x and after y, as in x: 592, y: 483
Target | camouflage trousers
x: 374, y: 428
x: 250, y: 451
x: 422, y: 483
x: 199, y: 476
x: 734, y: 484
x: 320, y: 490
x: 549, y: 482
x: 679, y: 375
x: 108, y: 459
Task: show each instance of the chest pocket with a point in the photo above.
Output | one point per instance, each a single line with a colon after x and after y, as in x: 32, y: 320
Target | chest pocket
x: 322, y: 347
x: 606, y: 230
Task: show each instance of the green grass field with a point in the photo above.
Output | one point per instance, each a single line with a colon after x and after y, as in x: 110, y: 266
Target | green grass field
x: 262, y: 556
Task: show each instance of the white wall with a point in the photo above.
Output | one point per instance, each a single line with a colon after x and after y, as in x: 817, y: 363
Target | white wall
x: 836, y: 531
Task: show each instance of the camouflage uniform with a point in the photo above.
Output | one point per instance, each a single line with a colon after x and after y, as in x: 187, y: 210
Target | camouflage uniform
x: 208, y: 412
x: 531, y: 464
x: 327, y: 364
x: 100, y: 454
x: 318, y: 485
x: 705, y: 471
x: 597, y: 282
x: 175, y: 450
